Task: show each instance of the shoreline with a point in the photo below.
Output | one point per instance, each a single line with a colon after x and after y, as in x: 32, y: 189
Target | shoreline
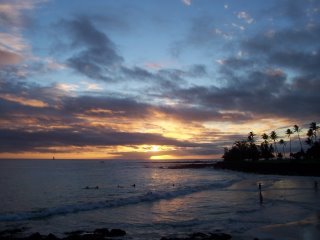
x: 270, y: 168
x: 104, y: 233
x: 286, y: 168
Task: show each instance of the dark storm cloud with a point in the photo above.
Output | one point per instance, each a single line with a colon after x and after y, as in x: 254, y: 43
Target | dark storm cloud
x: 97, y: 56
x: 20, y: 140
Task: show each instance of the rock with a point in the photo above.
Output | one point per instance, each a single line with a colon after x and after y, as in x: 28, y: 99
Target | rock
x: 51, y: 237
x: 117, y: 233
x: 91, y: 236
x: 174, y: 238
x: 10, y: 232
x: 35, y: 236
x: 102, y: 231
x: 73, y: 237
x: 78, y: 232
x: 198, y: 235
x: 220, y: 236
x: 202, y: 236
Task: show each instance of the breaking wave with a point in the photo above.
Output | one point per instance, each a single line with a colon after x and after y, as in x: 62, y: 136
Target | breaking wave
x: 80, y: 207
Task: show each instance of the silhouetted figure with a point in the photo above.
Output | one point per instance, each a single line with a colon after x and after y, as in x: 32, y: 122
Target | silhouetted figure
x: 133, y: 185
x: 315, y: 185
x: 260, y: 194
x: 87, y: 187
x: 173, y: 185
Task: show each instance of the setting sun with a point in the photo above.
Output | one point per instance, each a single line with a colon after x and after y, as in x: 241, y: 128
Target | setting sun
x: 155, y: 148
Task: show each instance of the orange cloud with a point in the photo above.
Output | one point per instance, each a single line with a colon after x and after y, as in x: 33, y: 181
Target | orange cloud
x: 7, y: 58
x: 24, y: 101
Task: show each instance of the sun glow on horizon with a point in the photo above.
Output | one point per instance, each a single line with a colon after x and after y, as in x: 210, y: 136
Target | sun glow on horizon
x: 155, y: 148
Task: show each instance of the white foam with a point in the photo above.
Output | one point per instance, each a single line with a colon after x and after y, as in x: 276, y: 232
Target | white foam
x: 147, y: 197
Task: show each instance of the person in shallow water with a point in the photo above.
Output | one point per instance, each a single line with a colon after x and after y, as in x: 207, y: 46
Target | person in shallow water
x: 87, y: 187
x: 260, y: 193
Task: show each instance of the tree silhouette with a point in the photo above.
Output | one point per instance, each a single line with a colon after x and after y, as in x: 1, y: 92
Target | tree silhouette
x: 314, y: 128
x: 310, y: 135
x: 274, y: 137
x: 289, y: 133
x: 283, y: 143
x: 254, y: 153
x: 265, y: 148
x: 265, y: 137
x: 251, y: 137
x: 297, y: 129
x: 247, y: 149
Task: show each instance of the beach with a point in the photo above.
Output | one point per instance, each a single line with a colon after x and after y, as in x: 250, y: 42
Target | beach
x: 151, y: 200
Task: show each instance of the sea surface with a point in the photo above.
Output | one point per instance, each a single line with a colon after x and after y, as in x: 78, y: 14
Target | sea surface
x: 148, y: 200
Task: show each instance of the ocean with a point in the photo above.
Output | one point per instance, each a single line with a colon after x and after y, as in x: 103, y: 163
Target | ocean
x: 149, y: 200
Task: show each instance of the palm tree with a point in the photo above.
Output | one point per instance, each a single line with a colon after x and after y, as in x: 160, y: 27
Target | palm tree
x: 310, y: 135
x: 315, y: 129
x: 297, y: 129
x: 274, y: 137
x: 289, y: 132
x: 265, y: 137
x: 283, y: 143
x: 309, y: 141
x: 266, y: 149
x: 251, y: 137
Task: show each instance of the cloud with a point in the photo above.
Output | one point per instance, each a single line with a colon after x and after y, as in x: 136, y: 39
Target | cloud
x: 187, y: 2
x: 24, y: 101
x: 289, y: 54
x: 12, y: 13
x: 13, y: 48
x: 21, y: 140
x: 96, y: 56
x: 245, y: 16
x: 13, y: 42
x: 8, y: 58
x: 204, y: 33
x: 13, y: 17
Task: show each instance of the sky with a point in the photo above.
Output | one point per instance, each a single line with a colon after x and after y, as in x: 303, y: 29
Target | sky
x: 151, y: 79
